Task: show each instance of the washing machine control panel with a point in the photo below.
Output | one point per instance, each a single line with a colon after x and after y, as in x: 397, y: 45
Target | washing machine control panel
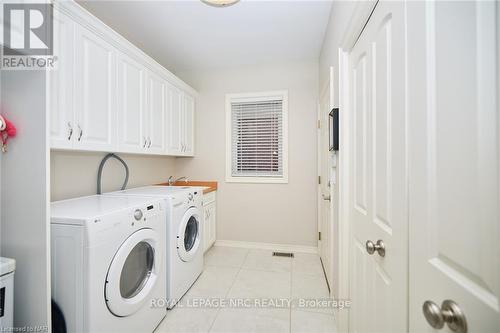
x: 138, y: 214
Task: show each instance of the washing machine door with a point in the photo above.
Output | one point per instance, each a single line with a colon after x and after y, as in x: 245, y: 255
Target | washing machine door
x: 133, y: 273
x: 189, y: 235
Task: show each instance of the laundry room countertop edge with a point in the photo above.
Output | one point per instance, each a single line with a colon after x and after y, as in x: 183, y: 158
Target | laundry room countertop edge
x: 210, y: 186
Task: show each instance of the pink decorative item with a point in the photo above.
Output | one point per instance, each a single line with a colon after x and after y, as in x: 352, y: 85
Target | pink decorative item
x: 8, y: 132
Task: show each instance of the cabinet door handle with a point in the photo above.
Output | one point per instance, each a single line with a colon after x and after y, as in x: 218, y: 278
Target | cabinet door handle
x: 145, y: 142
x: 70, y: 134
x: 149, y: 145
x: 81, y: 132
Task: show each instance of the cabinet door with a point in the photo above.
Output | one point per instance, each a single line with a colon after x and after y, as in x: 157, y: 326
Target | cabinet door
x: 95, y: 92
x: 209, y: 212
x: 131, y: 105
x: 62, y: 124
x: 175, y: 132
x: 212, y: 223
x: 188, y: 127
x: 206, y: 228
x: 156, y: 115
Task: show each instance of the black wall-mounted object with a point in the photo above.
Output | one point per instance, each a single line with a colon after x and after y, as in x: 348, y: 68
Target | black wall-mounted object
x: 333, y: 126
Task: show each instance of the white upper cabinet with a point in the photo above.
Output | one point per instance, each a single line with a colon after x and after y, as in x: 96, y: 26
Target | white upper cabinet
x: 107, y: 95
x: 131, y: 105
x: 175, y: 122
x: 181, y: 122
x: 188, y: 135
x: 155, y: 119
x: 95, y: 92
x: 61, y: 84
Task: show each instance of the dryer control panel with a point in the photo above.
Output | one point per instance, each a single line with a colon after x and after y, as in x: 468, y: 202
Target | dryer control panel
x: 142, y: 214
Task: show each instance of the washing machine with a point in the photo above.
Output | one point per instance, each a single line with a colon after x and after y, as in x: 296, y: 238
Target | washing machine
x: 184, y: 234
x: 108, y: 262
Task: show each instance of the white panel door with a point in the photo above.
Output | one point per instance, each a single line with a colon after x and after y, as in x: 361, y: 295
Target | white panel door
x: 62, y: 122
x: 95, y: 92
x: 378, y: 205
x: 188, y: 125
x: 175, y: 121
x: 324, y: 186
x: 156, y: 121
x: 131, y: 105
x: 454, y: 161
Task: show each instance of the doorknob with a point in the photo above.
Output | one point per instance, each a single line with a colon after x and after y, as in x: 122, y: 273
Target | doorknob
x: 449, y: 313
x: 379, y: 247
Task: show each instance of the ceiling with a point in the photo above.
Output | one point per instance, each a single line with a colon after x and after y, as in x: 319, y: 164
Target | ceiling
x: 187, y: 35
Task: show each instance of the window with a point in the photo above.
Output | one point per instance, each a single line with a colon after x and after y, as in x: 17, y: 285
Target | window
x: 257, y: 143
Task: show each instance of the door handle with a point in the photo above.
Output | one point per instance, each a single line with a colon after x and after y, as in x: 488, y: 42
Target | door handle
x: 145, y: 142
x: 326, y: 197
x: 449, y: 313
x: 379, y: 247
x: 70, y: 134
x: 149, y: 145
x: 81, y: 133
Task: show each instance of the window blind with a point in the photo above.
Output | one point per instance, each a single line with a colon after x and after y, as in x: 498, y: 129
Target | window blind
x: 257, y: 138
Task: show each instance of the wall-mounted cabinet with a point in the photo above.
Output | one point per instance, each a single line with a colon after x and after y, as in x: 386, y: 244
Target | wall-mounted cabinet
x: 107, y: 95
x: 95, y: 92
x: 132, y: 105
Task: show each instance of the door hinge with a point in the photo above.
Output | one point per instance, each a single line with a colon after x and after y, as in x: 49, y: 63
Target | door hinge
x: 319, y: 180
x: 319, y: 235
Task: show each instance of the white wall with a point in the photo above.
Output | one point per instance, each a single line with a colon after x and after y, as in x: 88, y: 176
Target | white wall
x: 269, y: 213
x: 74, y: 174
x: 24, y: 226
x: 340, y: 16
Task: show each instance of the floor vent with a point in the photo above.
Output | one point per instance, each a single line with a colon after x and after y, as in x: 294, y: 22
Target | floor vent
x: 283, y: 254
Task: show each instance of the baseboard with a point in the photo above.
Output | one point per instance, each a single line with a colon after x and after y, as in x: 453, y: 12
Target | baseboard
x: 268, y: 246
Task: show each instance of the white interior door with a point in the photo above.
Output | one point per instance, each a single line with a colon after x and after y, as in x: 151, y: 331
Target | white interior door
x: 454, y: 166
x: 95, y: 92
x: 324, y: 189
x: 131, y: 104
x: 156, y: 116
x: 378, y: 203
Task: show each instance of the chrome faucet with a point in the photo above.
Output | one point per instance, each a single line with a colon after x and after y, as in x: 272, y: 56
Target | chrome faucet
x: 171, y: 180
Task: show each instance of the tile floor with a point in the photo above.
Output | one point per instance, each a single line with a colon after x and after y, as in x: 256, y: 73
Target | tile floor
x: 235, y: 274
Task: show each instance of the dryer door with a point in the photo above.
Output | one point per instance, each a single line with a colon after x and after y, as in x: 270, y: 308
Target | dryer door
x: 189, y: 234
x: 133, y: 272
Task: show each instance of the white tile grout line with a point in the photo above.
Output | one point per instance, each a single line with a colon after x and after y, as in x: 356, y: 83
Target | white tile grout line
x: 228, y: 290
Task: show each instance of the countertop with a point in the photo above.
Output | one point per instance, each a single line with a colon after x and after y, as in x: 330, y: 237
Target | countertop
x: 209, y: 186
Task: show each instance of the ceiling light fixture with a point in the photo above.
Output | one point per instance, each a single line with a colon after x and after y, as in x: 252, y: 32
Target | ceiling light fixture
x: 220, y: 3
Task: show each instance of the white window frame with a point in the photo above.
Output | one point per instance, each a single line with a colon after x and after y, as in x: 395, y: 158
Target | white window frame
x: 252, y: 97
